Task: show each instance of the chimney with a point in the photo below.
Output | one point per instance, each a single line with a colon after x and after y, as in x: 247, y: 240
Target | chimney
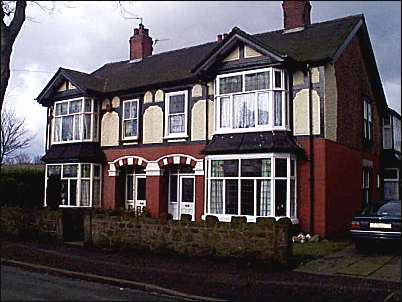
x: 296, y: 14
x: 219, y: 38
x: 140, y: 43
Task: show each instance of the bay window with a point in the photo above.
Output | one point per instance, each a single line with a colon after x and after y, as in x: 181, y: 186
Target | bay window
x: 251, y: 185
x: 80, y: 183
x: 391, y: 184
x: 253, y: 100
x: 76, y: 120
x: 176, y: 114
x: 130, y: 119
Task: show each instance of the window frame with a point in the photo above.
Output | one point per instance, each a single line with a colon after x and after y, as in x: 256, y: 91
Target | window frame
x: 272, y: 178
x: 284, y: 89
x: 94, y: 124
x: 167, y: 114
x: 129, y: 119
x: 366, y: 187
x: 78, y: 178
x: 367, y: 119
x: 392, y: 180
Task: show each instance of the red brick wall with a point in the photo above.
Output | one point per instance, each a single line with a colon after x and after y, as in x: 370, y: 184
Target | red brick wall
x: 344, y: 185
x: 352, y: 83
x: 155, y: 152
x: 337, y: 186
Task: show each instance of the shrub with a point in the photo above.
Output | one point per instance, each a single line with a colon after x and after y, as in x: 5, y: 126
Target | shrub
x: 22, y: 186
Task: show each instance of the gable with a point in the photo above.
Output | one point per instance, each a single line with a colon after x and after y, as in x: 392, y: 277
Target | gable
x: 66, y: 85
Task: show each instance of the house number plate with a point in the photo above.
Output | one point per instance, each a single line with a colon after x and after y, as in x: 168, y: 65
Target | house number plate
x: 380, y: 225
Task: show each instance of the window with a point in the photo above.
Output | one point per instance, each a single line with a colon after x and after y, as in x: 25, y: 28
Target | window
x: 366, y: 186
x: 387, y: 132
x: 391, y: 184
x: 80, y: 183
x: 367, y: 120
x: 176, y: 114
x: 252, y: 101
x: 396, y: 125
x: 76, y: 120
x: 252, y: 186
x: 130, y: 119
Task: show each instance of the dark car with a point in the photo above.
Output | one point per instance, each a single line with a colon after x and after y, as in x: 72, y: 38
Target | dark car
x: 379, y: 222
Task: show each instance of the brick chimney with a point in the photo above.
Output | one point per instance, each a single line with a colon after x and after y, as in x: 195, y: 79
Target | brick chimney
x: 140, y: 43
x: 296, y: 14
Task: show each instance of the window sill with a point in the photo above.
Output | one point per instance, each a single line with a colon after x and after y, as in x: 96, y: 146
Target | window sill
x: 75, y: 141
x: 245, y: 130
x: 228, y: 217
x: 180, y: 136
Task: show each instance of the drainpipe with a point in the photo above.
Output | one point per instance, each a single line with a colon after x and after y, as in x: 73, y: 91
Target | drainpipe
x: 206, y: 143
x: 311, y: 148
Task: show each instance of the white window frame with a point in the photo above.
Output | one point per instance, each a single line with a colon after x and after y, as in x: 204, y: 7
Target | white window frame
x: 252, y: 218
x: 94, y: 127
x: 78, y: 178
x: 368, y: 119
x: 167, y: 102
x: 129, y: 119
x: 271, y: 91
x: 393, y: 180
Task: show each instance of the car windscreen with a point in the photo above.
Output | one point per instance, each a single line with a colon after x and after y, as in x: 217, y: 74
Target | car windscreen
x: 384, y: 209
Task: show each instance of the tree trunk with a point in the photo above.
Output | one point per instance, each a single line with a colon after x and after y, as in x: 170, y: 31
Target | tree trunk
x: 8, y: 35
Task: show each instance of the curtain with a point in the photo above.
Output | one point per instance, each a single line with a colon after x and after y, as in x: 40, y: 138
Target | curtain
x: 243, y: 110
x: 57, y: 128
x: 85, y: 192
x: 292, y: 198
x: 87, y: 126
x: 75, y: 106
x: 77, y: 126
x: 96, y: 193
x: 266, y: 168
x: 225, y: 112
x: 391, y: 190
x: 264, y: 187
x: 67, y: 128
x: 216, y: 196
x: 278, y: 107
x: 263, y: 108
x: 176, y: 123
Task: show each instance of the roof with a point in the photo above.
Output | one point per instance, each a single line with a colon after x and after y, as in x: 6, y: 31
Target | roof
x: 256, y: 142
x: 318, y: 42
x: 75, y: 152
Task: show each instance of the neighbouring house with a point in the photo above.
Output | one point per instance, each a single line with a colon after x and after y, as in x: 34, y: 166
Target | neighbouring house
x: 279, y: 123
x: 391, y: 155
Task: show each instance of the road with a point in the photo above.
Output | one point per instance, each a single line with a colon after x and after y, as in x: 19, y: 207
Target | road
x: 21, y: 285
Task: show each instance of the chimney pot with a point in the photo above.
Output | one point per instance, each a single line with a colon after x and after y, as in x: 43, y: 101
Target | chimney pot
x: 219, y: 38
x: 140, y: 43
x: 296, y: 14
x: 225, y: 35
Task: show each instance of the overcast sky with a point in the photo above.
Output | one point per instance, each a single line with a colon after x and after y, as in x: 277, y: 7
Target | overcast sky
x: 93, y: 33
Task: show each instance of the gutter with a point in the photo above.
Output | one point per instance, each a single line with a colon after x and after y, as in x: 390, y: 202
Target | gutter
x: 311, y: 148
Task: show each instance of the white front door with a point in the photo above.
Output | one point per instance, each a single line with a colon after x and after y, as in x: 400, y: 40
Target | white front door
x: 181, y: 195
x: 135, y: 192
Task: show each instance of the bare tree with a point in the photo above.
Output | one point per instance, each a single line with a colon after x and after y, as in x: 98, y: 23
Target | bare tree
x: 37, y: 159
x: 22, y: 158
x: 14, y: 136
x: 13, y: 16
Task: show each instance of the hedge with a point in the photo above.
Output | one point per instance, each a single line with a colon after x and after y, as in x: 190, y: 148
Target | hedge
x: 22, y: 186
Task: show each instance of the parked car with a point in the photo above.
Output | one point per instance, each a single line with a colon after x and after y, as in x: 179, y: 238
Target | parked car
x: 378, y: 222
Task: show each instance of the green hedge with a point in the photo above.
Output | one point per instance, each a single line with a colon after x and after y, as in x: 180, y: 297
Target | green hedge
x: 22, y: 186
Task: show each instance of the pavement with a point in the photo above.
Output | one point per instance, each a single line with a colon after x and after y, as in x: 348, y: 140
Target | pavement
x: 380, y: 265
x: 196, y: 279
x: 39, y: 286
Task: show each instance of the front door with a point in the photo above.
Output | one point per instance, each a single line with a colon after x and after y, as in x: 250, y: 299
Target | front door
x: 135, y: 192
x: 181, y: 195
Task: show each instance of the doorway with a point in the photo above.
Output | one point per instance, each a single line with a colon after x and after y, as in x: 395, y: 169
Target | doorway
x: 181, y: 192
x: 136, y: 190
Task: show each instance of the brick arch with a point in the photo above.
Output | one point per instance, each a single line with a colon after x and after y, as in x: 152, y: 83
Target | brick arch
x: 130, y: 161
x: 173, y: 159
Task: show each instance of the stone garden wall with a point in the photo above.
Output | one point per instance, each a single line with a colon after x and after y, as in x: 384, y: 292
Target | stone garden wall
x: 267, y: 240
x: 31, y: 223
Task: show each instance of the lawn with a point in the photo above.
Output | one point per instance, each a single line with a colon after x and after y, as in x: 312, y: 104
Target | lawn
x: 304, y: 252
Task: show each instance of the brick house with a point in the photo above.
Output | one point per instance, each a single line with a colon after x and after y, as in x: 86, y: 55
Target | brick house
x: 391, y: 155
x: 224, y: 129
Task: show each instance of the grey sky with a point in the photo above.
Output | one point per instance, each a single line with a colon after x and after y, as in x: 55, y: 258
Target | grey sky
x: 94, y: 33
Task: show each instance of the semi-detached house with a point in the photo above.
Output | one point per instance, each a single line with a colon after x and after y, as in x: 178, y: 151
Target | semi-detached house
x: 280, y: 123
